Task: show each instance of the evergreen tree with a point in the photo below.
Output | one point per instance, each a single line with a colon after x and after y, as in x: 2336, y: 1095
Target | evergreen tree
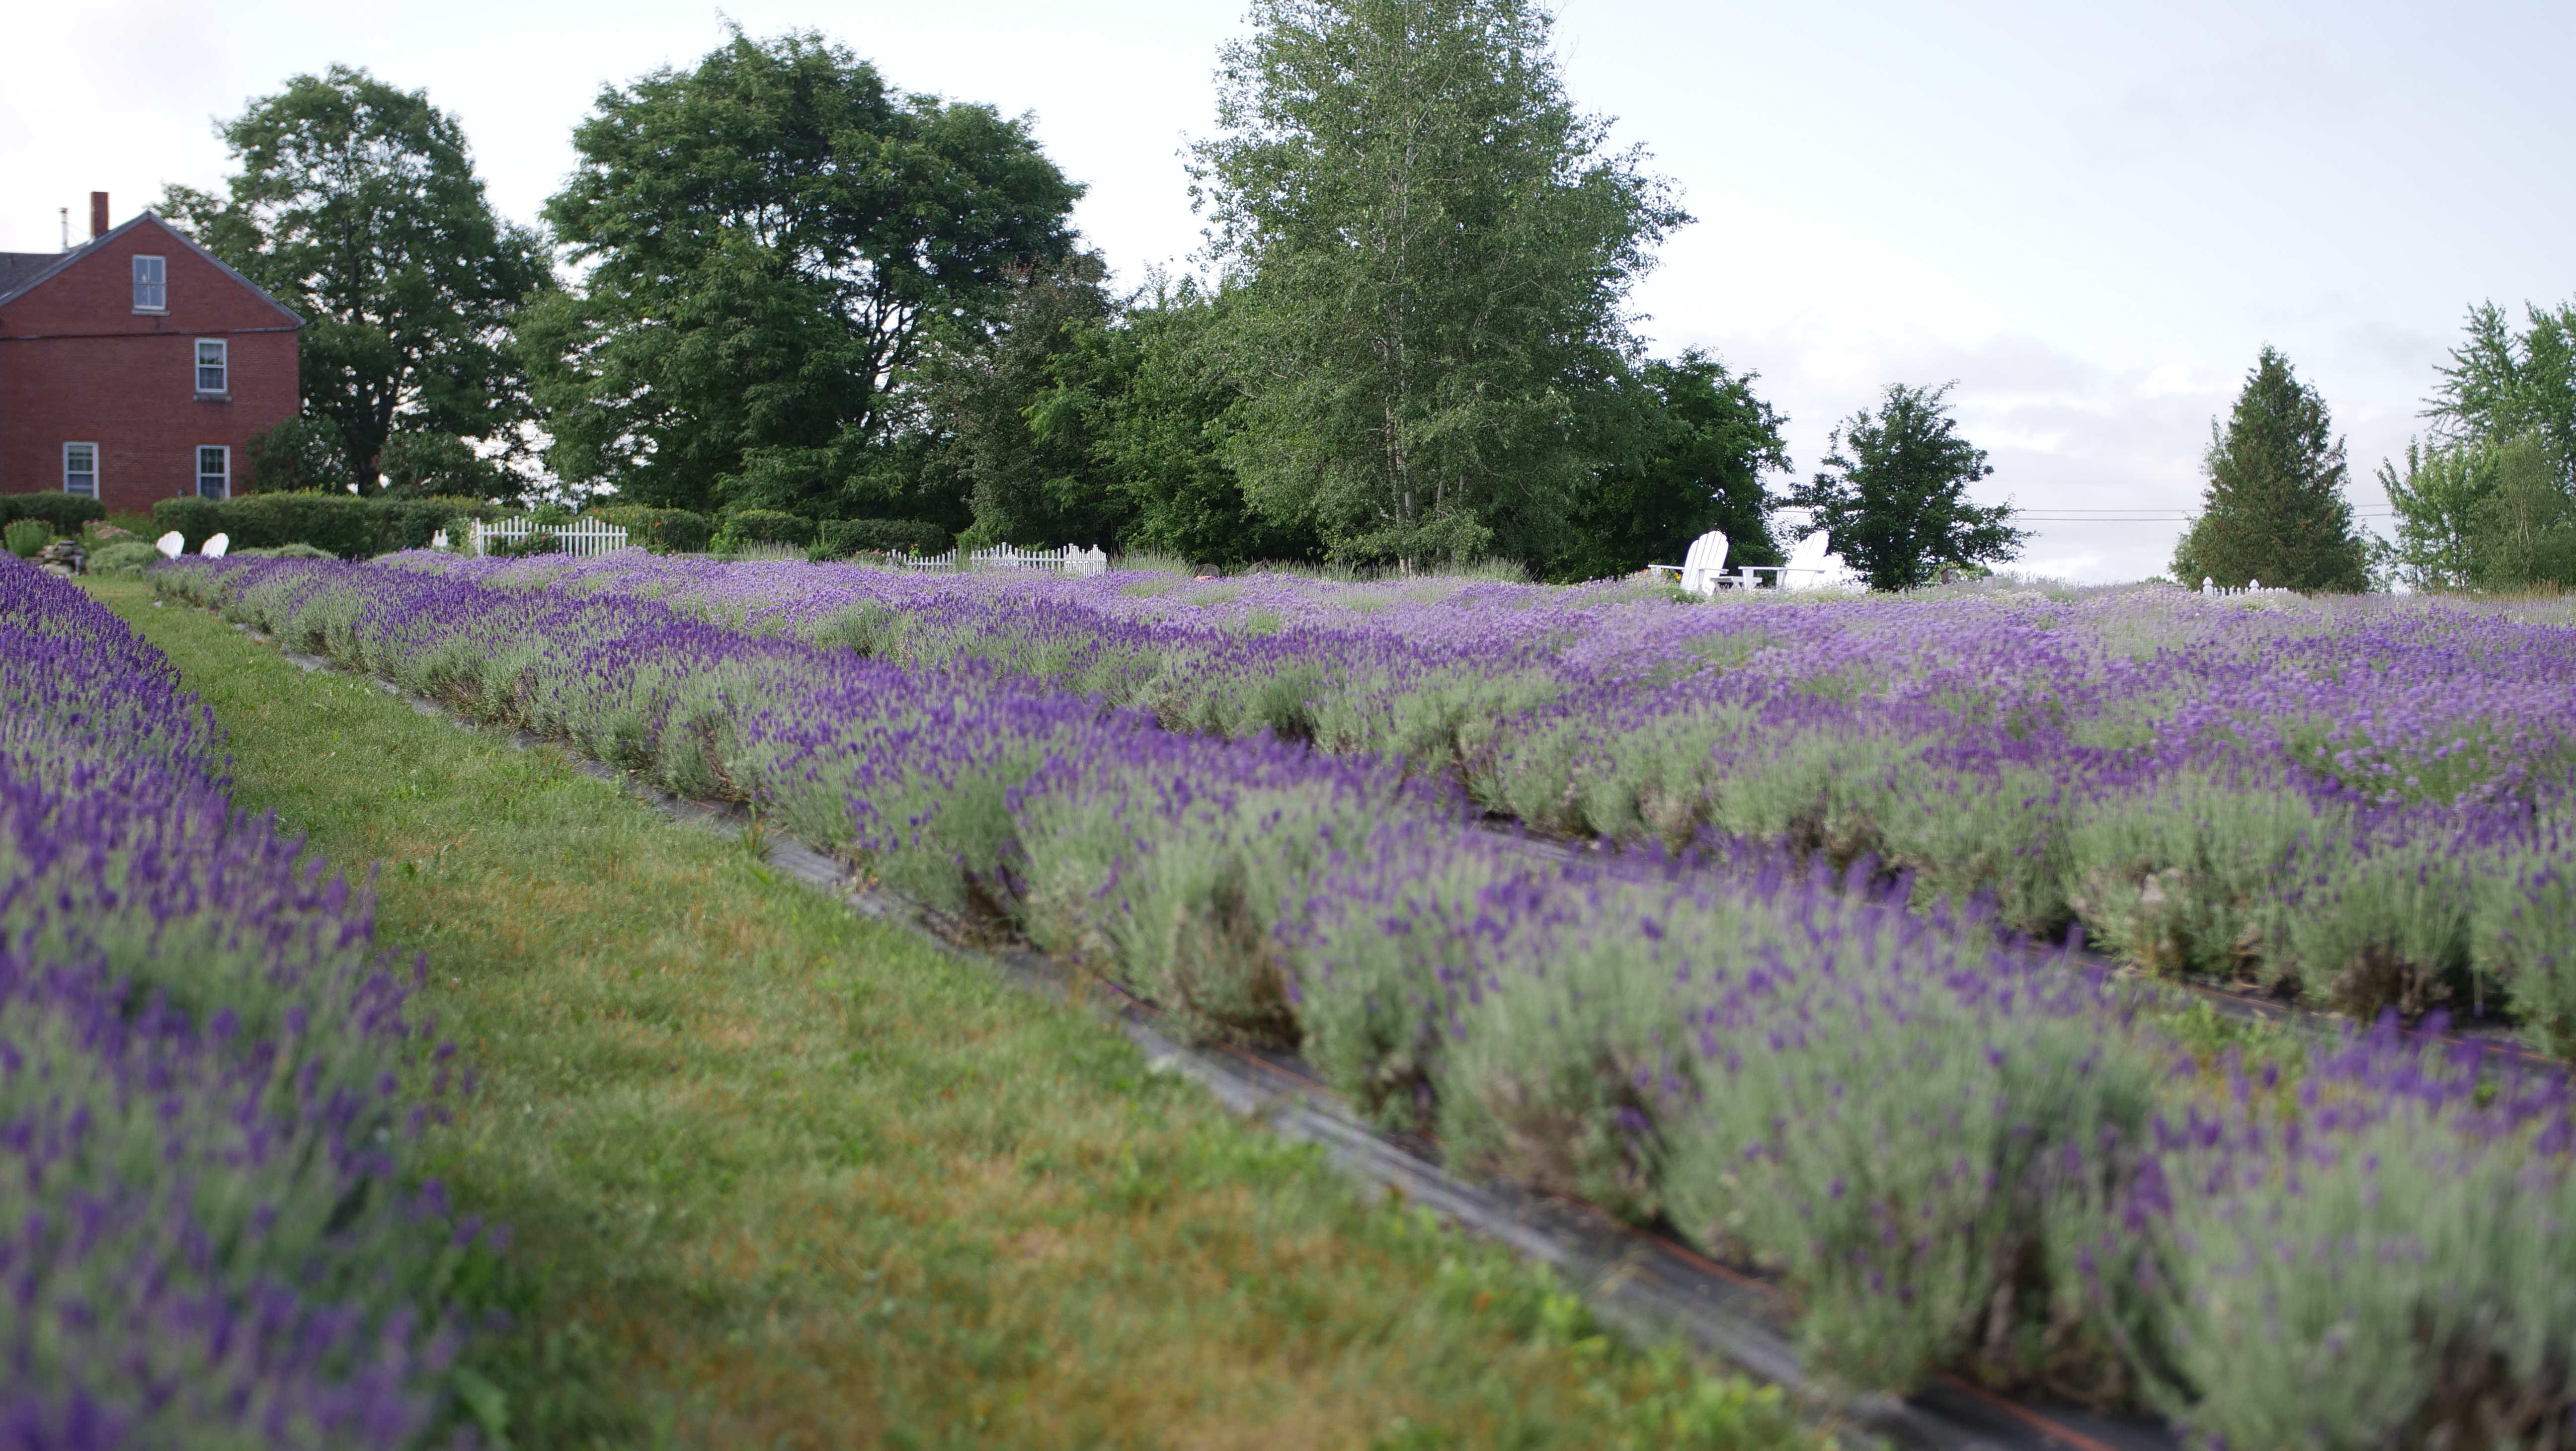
x: 2275, y: 509
x: 1894, y: 493
x: 1436, y: 250
x: 1028, y: 471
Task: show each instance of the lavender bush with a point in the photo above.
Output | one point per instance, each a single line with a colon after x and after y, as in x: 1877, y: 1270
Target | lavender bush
x: 2168, y: 771
x: 2380, y: 1255
x: 1927, y: 1133
x: 1810, y: 1043
x: 201, y: 1224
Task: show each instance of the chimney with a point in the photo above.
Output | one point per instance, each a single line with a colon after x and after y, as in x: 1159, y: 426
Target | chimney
x: 97, y: 215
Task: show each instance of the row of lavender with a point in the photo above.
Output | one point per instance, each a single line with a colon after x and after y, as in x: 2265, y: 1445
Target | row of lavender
x: 2364, y: 802
x: 201, y: 1235
x: 1962, y: 1156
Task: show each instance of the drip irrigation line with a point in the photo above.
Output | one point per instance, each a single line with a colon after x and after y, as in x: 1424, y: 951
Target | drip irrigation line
x: 1645, y: 1285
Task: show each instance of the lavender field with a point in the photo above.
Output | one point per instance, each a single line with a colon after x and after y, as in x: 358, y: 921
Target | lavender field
x: 205, y: 1230
x: 1817, y: 1017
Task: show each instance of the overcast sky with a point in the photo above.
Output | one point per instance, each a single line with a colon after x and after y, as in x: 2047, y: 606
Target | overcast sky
x: 2092, y: 217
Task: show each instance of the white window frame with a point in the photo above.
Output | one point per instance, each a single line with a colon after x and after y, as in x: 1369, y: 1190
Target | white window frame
x: 224, y: 454
x: 70, y: 474
x: 151, y: 283
x: 221, y: 367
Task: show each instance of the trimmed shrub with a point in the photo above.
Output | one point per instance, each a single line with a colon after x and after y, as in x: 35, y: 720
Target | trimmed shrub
x: 65, y: 513
x: 537, y: 541
x: 343, y: 525
x: 123, y: 559
x: 663, y: 531
x: 764, y: 526
x: 842, y: 538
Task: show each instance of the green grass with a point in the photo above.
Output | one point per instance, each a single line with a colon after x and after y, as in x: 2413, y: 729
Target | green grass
x: 780, y: 1176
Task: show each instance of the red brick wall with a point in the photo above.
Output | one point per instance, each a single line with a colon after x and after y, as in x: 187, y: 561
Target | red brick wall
x: 79, y: 364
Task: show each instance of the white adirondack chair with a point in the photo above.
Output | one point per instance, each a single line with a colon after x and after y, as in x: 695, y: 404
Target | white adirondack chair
x: 214, y: 548
x: 171, y: 544
x: 1702, y: 563
x: 1814, y: 565
x: 1806, y: 564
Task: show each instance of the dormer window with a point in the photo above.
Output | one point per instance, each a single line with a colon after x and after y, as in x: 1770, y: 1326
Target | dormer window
x: 214, y: 370
x: 151, y: 284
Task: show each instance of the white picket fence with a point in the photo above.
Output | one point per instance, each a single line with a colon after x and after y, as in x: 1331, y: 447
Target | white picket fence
x: 2210, y: 588
x: 582, y: 537
x: 1067, y: 560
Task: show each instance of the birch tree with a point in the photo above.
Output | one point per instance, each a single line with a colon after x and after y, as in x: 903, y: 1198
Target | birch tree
x: 1435, y: 251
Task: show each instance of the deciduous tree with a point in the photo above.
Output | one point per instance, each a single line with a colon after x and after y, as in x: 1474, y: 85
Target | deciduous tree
x: 773, y: 238
x: 1014, y: 415
x: 357, y: 205
x: 1894, y: 493
x: 2501, y: 386
x: 1698, y: 445
x: 1436, y: 250
x: 2474, y: 505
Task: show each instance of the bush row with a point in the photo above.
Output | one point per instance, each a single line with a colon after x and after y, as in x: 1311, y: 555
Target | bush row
x: 64, y: 513
x: 210, y: 1235
x: 2365, y: 804
x: 831, y: 538
x: 1963, y: 1156
x: 345, y: 525
x: 663, y: 531
x: 352, y: 527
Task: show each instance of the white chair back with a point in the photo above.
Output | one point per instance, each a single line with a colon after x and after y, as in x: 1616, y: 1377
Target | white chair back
x: 1704, y: 563
x: 214, y: 548
x: 171, y: 544
x: 1810, y: 551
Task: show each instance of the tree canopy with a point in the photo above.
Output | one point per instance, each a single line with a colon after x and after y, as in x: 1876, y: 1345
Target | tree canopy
x: 2501, y: 386
x: 2275, y: 509
x: 356, y: 204
x: 1699, y: 443
x: 1023, y: 448
x: 774, y: 237
x: 1435, y: 251
x: 2489, y: 502
x: 1894, y: 493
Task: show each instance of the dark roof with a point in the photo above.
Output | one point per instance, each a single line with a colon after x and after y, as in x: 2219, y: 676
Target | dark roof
x: 18, y: 268
x: 20, y: 271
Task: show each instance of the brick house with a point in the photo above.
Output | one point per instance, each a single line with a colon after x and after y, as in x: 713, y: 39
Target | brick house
x: 137, y: 367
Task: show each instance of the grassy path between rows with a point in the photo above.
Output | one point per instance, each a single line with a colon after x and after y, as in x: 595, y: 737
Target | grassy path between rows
x: 780, y: 1176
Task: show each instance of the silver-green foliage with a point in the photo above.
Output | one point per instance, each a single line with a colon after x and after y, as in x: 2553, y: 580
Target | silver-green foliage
x: 2381, y: 1257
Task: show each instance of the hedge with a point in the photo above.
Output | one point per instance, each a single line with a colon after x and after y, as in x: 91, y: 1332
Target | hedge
x: 664, y: 531
x: 66, y: 513
x: 764, y: 526
x: 342, y: 524
x: 845, y: 537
